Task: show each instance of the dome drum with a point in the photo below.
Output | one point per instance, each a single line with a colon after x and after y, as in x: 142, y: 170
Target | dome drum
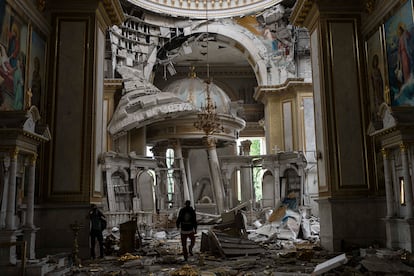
x: 183, y: 128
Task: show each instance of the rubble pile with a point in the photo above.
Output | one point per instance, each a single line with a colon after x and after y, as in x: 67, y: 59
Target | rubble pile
x: 279, y: 242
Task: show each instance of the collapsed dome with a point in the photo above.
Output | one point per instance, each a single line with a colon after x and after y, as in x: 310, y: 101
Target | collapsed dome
x: 194, y: 90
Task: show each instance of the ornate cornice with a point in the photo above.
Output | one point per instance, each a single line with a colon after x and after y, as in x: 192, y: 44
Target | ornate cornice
x: 300, y: 12
x: 290, y: 83
x: 114, y: 11
x: 198, y: 8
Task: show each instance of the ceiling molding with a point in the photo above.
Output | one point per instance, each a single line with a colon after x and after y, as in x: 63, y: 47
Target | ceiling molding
x: 205, y: 9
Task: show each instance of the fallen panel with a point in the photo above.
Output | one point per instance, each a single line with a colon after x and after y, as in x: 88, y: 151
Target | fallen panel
x: 330, y: 264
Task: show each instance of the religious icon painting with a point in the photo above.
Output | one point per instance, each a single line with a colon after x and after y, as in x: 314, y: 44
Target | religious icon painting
x: 13, y: 51
x: 399, y: 44
x: 376, y: 74
x: 36, y: 70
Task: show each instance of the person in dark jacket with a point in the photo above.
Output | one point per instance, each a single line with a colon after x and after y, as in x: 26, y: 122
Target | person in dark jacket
x: 96, y: 227
x: 187, y: 221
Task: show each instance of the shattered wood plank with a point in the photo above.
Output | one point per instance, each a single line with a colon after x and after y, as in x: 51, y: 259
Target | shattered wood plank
x: 232, y: 246
x: 216, y: 242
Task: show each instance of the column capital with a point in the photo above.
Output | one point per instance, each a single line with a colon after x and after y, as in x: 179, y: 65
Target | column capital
x: 403, y: 147
x: 14, y: 153
x: 6, y: 162
x: 246, y: 146
x: 210, y: 142
x: 33, y: 159
x: 174, y: 143
x: 384, y: 152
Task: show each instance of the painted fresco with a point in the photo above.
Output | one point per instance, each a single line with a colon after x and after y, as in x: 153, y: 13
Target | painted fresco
x: 376, y: 74
x: 399, y: 37
x: 13, y: 50
x: 37, y: 68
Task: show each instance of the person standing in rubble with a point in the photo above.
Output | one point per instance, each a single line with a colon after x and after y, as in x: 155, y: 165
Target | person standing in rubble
x: 97, y: 225
x: 187, y: 221
x: 240, y: 223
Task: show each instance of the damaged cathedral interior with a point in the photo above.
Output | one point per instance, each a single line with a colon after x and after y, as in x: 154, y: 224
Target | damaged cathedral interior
x: 294, y: 116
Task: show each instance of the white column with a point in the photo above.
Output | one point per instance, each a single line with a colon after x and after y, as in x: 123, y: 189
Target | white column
x: 11, y: 200
x: 30, y: 193
x: 388, y: 184
x: 188, y: 171
x: 30, y: 229
x: 302, y: 185
x: 228, y: 189
x: 276, y: 175
x: 407, y: 181
x: 247, y: 189
x: 179, y: 154
x: 6, y: 163
x: 159, y: 152
x: 215, y: 173
x: 8, y: 254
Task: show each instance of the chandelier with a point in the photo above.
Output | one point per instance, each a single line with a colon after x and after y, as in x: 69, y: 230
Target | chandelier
x: 207, y: 119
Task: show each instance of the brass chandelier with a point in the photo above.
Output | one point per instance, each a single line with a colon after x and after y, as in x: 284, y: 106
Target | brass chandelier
x: 207, y: 119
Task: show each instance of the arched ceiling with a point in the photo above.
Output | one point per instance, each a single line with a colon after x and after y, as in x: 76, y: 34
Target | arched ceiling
x: 218, y: 51
x: 201, y: 9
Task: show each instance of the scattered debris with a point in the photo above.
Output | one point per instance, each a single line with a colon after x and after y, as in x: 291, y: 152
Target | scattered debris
x: 128, y: 256
x: 286, y: 245
x: 185, y: 270
x: 227, y: 245
x: 330, y: 264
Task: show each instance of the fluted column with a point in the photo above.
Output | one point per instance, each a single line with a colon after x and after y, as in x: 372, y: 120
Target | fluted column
x: 179, y: 155
x: 388, y: 184
x: 188, y: 172
x: 408, y: 190
x: 6, y: 173
x: 11, y: 198
x: 215, y: 173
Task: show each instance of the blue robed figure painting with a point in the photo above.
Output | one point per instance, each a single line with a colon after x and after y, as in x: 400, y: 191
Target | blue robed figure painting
x: 13, y: 45
x: 399, y: 34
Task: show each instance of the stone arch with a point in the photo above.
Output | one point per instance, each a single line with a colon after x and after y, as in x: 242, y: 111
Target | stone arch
x: 254, y: 50
x: 268, y: 189
x: 146, y: 190
x: 250, y: 45
x: 291, y: 182
x: 119, y: 190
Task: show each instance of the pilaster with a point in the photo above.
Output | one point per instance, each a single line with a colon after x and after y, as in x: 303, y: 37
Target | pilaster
x: 282, y: 105
x: 338, y: 89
